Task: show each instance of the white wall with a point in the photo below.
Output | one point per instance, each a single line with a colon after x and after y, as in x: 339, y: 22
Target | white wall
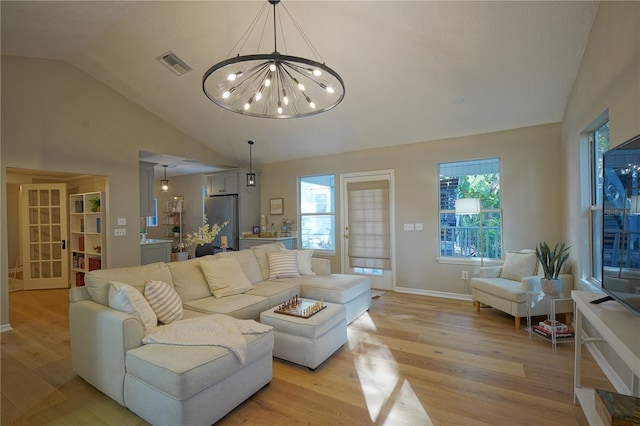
x: 531, y: 189
x: 55, y: 117
x: 608, y: 82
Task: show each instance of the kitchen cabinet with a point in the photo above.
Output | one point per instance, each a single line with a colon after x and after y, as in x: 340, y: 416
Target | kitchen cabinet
x: 223, y: 183
x: 152, y: 251
x: 235, y: 182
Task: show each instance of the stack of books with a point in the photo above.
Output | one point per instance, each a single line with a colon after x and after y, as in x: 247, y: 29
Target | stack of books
x: 546, y: 328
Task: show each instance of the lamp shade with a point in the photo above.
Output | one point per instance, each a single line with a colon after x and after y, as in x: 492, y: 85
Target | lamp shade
x: 467, y: 206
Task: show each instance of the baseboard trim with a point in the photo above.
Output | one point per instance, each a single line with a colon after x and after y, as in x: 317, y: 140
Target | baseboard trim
x: 441, y: 294
x: 5, y: 327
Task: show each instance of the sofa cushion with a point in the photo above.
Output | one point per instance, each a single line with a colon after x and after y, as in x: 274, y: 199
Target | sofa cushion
x: 283, y: 265
x: 225, y: 277
x: 248, y: 263
x: 164, y: 300
x: 126, y: 298
x: 260, y: 252
x: 276, y: 291
x: 518, y: 265
x: 242, y: 306
x: 183, y: 371
x: 188, y: 279
x: 502, y: 288
x: 335, y: 288
x: 97, y: 282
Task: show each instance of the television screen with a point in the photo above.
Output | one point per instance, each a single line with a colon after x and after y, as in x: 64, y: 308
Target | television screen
x: 621, y: 224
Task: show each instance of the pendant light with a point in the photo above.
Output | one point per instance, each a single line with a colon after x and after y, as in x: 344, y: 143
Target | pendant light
x: 273, y: 85
x: 164, y: 183
x: 251, y: 177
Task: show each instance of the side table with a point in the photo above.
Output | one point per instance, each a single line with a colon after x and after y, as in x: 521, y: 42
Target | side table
x: 532, y: 300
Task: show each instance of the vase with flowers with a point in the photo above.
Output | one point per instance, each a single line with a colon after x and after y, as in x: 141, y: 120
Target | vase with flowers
x: 203, y: 237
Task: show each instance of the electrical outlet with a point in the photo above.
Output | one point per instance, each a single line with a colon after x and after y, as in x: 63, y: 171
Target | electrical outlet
x: 408, y: 226
x: 465, y: 275
x: 119, y: 232
x: 122, y: 221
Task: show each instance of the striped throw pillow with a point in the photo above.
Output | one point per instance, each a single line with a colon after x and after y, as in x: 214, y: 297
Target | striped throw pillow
x: 283, y: 265
x: 164, y: 301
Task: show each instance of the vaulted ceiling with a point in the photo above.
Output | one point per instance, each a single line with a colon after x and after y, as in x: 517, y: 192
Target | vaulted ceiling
x: 414, y: 71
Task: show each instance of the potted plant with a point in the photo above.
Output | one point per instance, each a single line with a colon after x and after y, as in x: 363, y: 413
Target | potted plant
x: 203, y: 237
x: 95, y: 204
x: 552, y: 262
x: 176, y: 231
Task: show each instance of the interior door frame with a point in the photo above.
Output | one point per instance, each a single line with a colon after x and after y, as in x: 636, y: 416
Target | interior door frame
x: 386, y: 174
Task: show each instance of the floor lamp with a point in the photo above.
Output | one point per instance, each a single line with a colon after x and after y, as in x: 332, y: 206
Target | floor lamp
x: 471, y: 206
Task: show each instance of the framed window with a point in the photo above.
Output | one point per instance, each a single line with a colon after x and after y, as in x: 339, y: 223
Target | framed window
x: 598, y: 145
x: 152, y: 221
x: 462, y: 236
x: 316, y: 195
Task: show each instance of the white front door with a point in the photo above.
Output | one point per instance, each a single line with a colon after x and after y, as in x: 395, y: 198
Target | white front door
x: 382, y: 278
x: 43, y: 230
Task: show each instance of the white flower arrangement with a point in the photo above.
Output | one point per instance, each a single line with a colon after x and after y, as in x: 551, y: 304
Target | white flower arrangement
x: 205, y: 234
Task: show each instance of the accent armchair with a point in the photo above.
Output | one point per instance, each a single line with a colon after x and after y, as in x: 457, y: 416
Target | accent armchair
x: 506, y: 287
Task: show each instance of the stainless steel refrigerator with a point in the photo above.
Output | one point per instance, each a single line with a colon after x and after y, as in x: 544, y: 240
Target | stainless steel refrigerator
x: 219, y: 209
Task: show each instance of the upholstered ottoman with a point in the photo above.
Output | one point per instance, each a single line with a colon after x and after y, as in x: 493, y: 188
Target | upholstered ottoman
x: 308, y: 341
x: 194, y: 385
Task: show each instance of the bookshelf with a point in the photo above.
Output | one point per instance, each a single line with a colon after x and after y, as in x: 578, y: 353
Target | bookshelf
x: 86, y: 234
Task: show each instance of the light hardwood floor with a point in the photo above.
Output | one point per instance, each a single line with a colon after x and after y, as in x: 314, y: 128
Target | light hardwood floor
x: 411, y: 360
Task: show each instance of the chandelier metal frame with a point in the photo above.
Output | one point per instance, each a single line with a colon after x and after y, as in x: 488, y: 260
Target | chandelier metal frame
x: 273, y: 85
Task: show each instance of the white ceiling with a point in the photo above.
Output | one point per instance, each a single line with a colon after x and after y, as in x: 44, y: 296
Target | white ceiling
x: 413, y: 71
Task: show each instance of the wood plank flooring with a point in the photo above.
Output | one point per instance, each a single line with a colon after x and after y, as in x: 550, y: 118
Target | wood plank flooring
x: 411, y: 360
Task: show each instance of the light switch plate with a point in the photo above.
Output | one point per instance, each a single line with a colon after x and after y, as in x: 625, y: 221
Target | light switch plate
x: 418, y: 226
x: 120, y: 232
x: 122, y: 221
x: 408, y: 226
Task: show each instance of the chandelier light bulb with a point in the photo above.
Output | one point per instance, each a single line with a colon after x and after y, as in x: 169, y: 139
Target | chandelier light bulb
x: 226, y: 94
x: 247, y: 106
x: 272, y: 67
x: 267, y: 82
x: 285, y: 100
x: 231, y: 77
x: 317, y: 72
x: 312, y: 105
x: 258, y: 96
x: 279, y: 109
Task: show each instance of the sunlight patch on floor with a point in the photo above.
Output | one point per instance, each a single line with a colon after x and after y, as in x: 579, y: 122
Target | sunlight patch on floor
x: 389, y: 397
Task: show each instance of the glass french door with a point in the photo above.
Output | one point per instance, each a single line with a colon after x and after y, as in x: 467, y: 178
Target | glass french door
x: 367, y: 216
x: 43, y: 230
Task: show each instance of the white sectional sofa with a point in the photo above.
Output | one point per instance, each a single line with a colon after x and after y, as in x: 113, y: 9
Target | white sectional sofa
x: 168, y: 384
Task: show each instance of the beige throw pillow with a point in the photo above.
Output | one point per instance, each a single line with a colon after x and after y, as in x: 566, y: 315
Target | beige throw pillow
x: 225, y: 277
x: 283, y: 265
x: 304, y: 261
x: 518, y: 265
x: 164, y: 301
x: 126, y: 298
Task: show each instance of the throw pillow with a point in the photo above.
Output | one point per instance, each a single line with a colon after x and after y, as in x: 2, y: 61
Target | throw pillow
x: 304, y: 261
x: 164, y: 301
x: 518, y: 265
x: 126, y: 298
x: 283, y: 265
x: 225, y: 276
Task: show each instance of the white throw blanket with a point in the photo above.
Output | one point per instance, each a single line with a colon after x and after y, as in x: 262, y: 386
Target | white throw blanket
x: 210, y: 330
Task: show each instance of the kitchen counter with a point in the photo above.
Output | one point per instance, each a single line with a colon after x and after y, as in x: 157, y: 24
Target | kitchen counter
x: 153, y: 250
x: 154, y: 241
x: 289, y: 242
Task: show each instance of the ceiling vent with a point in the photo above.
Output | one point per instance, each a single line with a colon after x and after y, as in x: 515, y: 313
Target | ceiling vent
x: 175, y: 64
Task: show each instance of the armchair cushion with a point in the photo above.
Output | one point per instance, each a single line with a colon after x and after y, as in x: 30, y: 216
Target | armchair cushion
x: 518, y: 265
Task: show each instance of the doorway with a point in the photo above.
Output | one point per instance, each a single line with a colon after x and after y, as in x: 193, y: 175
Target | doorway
x: 367, y: 200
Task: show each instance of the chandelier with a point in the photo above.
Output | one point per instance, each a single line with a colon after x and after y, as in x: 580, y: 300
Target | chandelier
x: 273, y: 85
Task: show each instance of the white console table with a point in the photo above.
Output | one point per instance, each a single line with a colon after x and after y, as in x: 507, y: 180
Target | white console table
x: 619, y: 328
